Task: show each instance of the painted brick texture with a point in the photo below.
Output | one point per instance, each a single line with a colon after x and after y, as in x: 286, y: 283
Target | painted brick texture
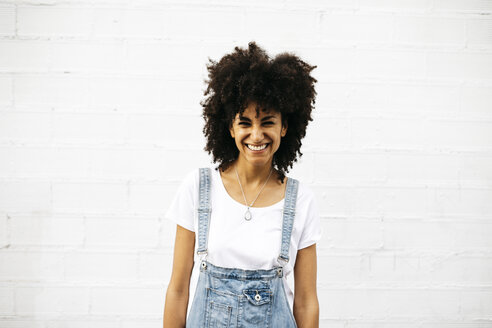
x: 100, y: 120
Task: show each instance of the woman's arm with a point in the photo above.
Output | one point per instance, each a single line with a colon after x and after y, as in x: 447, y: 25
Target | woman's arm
x: 178, y: 290
x: 306, y: 306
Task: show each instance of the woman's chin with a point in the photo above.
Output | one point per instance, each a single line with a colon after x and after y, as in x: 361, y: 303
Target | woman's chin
x: 259, y: 162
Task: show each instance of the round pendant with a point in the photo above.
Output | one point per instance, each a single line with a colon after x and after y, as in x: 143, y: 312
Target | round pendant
x: 247, y: 215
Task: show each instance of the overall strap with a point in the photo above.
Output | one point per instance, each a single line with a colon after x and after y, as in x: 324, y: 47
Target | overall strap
x: 288, y: 215
x: 204, y: 210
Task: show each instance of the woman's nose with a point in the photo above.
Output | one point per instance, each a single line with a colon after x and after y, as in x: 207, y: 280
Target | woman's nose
x: 257, y: 133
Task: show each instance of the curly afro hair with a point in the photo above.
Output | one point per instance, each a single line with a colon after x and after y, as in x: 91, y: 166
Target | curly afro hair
x: 246, y: 76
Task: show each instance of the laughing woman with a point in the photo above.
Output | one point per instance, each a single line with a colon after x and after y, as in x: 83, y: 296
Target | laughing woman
x: 244, y: 227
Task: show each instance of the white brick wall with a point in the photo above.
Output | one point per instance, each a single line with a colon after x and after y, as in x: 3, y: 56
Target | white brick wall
x: 100, y: 120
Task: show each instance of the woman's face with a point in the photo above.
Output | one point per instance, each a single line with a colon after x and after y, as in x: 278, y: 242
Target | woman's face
x: 257, y: 137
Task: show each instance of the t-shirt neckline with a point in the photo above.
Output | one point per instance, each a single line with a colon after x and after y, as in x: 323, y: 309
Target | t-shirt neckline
x: 224, y: 190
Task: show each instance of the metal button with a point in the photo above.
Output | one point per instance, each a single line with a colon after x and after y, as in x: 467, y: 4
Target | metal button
x: 257, y: 297
x: 204, y: 264
x: 279, y: 271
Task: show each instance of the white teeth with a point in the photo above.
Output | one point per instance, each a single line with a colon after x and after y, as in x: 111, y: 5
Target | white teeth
x: 257, y: 147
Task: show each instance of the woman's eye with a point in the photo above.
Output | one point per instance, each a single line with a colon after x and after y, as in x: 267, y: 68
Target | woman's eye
x: 243, y: 123
x: 268, y: 123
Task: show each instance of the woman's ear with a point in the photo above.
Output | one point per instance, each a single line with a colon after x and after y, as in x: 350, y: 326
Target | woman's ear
x: 284, y: 129
x: 231, y: 130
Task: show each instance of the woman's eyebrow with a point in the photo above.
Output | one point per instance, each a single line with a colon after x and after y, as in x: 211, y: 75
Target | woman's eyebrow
x: 244, y: 118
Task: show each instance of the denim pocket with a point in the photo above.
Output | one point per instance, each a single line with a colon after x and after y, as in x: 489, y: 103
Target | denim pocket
x: 258, y: 308
x: 258, y: 296
x: 219, y: 312
x: 219, y: 315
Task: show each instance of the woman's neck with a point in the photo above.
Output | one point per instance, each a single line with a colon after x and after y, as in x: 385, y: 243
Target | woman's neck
x: 251, y: 174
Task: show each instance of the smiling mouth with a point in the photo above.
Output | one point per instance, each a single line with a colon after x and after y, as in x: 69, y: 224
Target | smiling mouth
x: 257, y: 148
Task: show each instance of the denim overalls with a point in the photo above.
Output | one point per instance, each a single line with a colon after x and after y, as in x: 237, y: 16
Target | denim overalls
x: 236, y: 298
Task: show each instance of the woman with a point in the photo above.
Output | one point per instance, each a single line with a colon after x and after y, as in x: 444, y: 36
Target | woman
x: 244, y: 227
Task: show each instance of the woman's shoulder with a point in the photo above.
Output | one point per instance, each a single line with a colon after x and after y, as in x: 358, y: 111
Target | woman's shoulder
x: 192, y: 177
x: 305, y: 197
x: 304, y: 189
x: 307, y: 211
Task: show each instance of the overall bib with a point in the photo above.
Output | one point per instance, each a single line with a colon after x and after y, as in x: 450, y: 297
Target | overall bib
x: 236, y: 298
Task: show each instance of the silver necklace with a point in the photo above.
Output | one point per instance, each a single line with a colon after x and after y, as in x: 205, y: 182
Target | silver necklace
x: 247, y: 214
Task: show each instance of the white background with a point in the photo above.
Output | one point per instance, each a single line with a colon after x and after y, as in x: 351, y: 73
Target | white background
x: 100, y: 120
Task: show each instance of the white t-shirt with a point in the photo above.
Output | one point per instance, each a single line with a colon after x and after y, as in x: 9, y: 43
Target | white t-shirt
x: 234, y: 242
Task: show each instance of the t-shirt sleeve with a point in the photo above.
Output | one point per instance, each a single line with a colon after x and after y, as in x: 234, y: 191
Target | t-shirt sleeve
x: 182, y: 209
x: 312, y: 229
